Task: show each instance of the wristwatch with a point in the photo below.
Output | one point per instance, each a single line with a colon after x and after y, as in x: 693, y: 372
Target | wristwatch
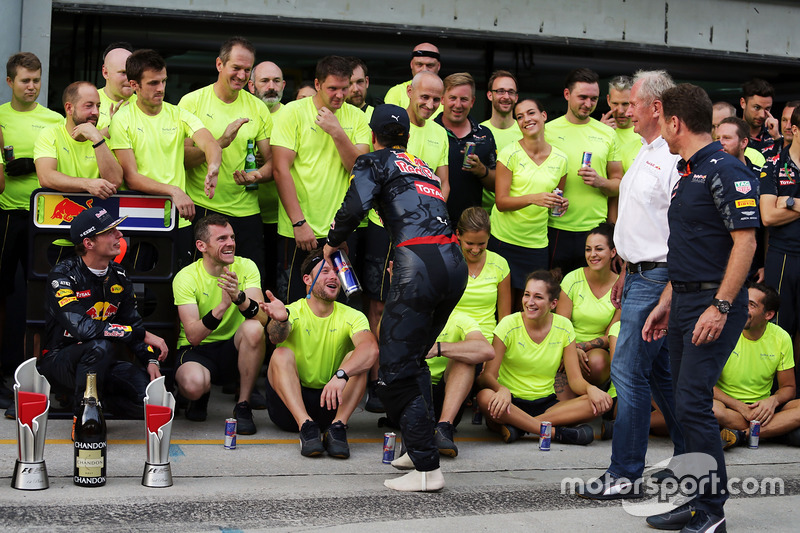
x: 790, y: 202
x: 723, y: 306
x: 240, y: 298
x: 341, y: 374
x: 299, y: 223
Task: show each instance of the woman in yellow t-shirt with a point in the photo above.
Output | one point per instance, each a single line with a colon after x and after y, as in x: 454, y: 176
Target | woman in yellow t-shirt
x: 517, y: 391
x: 527, y: 173
x: 586, y: 300
x: 488, y: 292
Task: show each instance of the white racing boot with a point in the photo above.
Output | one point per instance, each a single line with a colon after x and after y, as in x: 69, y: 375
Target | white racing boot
x: 403, y: 463
x: 416, y: 481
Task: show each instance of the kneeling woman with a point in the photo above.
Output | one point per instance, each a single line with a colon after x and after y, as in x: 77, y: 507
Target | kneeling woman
x: 517, y: 385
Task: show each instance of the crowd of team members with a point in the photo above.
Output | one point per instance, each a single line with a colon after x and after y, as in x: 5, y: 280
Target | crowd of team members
x: 544, y: 347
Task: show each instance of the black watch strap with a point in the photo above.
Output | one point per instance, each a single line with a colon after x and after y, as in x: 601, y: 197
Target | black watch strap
x: 723, y: 306
x: 341, y: 374
x: 240, y: 298
x: 299, y: 223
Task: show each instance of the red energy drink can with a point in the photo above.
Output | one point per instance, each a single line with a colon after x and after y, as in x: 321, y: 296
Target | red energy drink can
x: 344, y: 269
x: 545, y: 434
x: 389, y: 442
x: 755, y: 433
x: 586, y: 160
x: 8, y: 153
x: 557, y: 211
x: 230, y: 433
x: 469, y: 149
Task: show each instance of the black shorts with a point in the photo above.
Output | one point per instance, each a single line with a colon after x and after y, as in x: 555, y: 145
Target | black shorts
x: 282, y: 417
x: 535, y: 407
x: 377, y: 254
x: 13, y: 247
x: 220, y: 358
x: 567, y: 249
x: 521, y: 261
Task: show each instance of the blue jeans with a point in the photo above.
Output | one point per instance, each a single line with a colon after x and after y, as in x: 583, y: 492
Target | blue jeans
x: 696, y: 370
x: 640, y: 370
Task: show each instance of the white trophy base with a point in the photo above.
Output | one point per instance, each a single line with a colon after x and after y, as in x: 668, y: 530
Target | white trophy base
x: 157, y: 476
x: 30, y: 476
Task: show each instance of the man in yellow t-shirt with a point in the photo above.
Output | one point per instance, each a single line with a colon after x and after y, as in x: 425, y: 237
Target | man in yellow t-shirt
x: 588, y: 187
x: 742, y: 393
x: 222, y: 314
x: 118, y: 91
x: 424, y: 58
x: 619, y: 99
x: 359, y: 83
x: 22, y: 121
x: 317, y: 374
x: 235, y: 118
x: 315, y: 143
x: 148, y: 139
x: 74, y: 157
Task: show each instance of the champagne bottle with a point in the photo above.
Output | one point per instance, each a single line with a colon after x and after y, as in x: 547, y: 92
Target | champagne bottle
x: 90, y: 438
x: 250, y: 164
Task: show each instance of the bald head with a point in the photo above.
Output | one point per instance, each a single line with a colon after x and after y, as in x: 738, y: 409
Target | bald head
x: 425, y: 58
x: 425, y: 95
x: 117, y: 87
x: 267, y: 83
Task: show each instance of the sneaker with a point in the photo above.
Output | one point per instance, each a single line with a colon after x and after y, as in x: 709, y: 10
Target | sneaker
x: 374, y: 404
x: 335, y: 440
x: 510, y: 433
x: 258, y: 402
x: 310, y: 439
x: 606, y: 430
x: 660, y: 476
x: 703, y: 522
x: 582, y: 434
x: 244, y: 419
x: 607, y: 487
x: 197, y: 411
x: 733, y: 437
x: 443, y: 435
x: 672, y: 520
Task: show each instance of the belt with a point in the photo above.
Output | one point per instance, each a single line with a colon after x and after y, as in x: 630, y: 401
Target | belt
x: 694, y: 286
x: 431, y: 239
x: 644, y: 266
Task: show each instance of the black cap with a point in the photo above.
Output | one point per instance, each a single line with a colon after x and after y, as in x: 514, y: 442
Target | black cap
x: 386, y: 114
x: 91, y: 222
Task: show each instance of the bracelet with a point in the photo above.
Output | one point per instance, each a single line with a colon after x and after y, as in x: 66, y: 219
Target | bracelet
x: 154, y: 362
x: 211, y: 322
x: 486, y: 174
x: 240, y: 298
x: 251, y: 311
x: 299, y: 223
x: 439, y: 348
x: 99, y: 143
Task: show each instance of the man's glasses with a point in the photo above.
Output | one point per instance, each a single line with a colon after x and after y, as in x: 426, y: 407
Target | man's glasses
x: 503, y: 92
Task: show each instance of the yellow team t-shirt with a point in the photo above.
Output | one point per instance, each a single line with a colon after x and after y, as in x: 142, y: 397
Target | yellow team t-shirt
x: 527, y: 227
x: 268, y: 198
x: 194, y: 285
x: 479, y: 300
x: 502, y: 138
x: 590, y: 315
x: 457, y: 328
x: 751, y: 367
x: 320, y: 344
x: 629, y: 143
x: 588, y: 206
x: 73, y: 158
x: 319, y: 177
x: 20, y: 130
x: 104, y: 118
x: 229, y: 198
x: 157, y: 142
x: 613, y: 331
x: 529, y: 369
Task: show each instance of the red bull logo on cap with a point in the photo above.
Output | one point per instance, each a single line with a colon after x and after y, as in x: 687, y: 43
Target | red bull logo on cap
x: 67, y: 209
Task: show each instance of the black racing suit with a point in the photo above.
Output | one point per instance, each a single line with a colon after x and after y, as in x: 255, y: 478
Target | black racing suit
x: 86, y: 316
x: 428, y: 278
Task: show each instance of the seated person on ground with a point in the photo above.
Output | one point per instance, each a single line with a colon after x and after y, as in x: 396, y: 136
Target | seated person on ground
x: 91, y: 310
x: 518, y: 384
x: 742, y: 393
x: 222, y: 324
x: 318, y: 372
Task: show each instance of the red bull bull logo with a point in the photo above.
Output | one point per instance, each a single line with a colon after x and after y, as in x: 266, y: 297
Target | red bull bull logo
x: 67, y: 209
x: 102, y: 311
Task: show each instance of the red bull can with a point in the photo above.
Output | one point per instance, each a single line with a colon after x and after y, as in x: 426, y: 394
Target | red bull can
x: 545, y: 434
x: 389, y: 443
x: 755, y: 433
x: 230, y: 433
x: 557, y: 211
x: 8, y: 153
x: 344, y: 269
x: 469, y: 149
x: 586, y: 160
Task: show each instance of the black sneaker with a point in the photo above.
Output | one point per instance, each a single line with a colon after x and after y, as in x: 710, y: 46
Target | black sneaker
x: 244, y: 419
x: 374, y: 404
x: 582, y: 434
x: 703, y: 522
x: 310, y: 439
x: 257, y: 400
x: 335, y: 440
x: 607, y: 487
x: 606, y: 430
x: 197, y: 411
x: 732, y: 437
x: 672, y: 520
x: 443, y: 436
x: 660, y: 476
x: 510, y: 433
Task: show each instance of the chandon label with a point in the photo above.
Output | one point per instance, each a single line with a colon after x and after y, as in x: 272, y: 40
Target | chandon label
x: 90, y: 445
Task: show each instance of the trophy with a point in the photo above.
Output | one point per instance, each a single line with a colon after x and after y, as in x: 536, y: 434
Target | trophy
x: 159, y: 410
x: 32, y: 398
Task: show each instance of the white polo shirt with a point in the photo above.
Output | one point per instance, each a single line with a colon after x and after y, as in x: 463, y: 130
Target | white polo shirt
x: 642, y: 230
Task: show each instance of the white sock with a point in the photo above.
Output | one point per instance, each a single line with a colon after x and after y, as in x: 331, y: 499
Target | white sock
x: 416, y: 481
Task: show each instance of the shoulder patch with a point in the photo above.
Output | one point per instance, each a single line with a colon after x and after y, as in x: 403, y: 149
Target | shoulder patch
x: 116, y: 289
x: 64, y: 301
x: 60, y: 293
